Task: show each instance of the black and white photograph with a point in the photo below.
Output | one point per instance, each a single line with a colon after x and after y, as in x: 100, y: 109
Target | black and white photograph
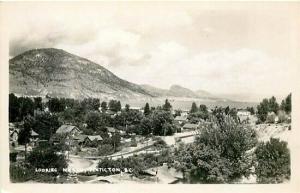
x: 151, y: 92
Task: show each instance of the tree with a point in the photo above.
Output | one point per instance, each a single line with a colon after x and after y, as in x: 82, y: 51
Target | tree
x: 273, y: 105
x: 26, y: 107
x: 194, y: 108
x: 38, y: 103
x: 105, y: 149
x: 25, y: 133
x: 116, y: 140
x: 90, y: 104
x: 103, y: 106
x: 95, y: 121
x: 219, y: 153
x: 178, y: 112
x: 45, y: 125
x: 266, y: 106
x: 273, y: 161
x: 262, y: 110
x: 114, y: 105
x: 14, y: 106
x: 147, y: 109
x: 286, y: 104
x: 251, y: 110
x: 203, y: 108
x: 145, y: 126
x: 47, y: 158
x: 55, y: 105
x: 127, y: 107
x: 167, y: 106
x: 158, y: 119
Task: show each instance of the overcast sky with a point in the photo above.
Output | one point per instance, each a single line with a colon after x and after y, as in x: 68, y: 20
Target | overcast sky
x: 221, y: 48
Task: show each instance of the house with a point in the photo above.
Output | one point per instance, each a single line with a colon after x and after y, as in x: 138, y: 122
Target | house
x: 184, y: 113
x: 92, y: 139
x: 244, y: 116
x: 181, y: 119
x: 190, y: 126
x: 34, y: 139
x: 69, y: 130
x: 111, y: 131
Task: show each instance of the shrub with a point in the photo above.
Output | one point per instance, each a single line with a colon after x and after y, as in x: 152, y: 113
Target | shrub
x: 13, y: 156
x: 273, y: 161
x: 105, y: 149
x: 282, y: 116
x: 47, y: 158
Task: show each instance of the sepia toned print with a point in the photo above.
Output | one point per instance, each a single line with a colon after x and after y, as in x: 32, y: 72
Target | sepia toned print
x: 150, y: 93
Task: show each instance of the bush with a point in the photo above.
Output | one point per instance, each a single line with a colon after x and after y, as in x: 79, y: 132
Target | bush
x: 13, y: 156
x: 273, y: 162
x: 47, y: 158
x: 282, y: 116
x: 105, y: 149
x: 159, y: 143
x: 271, y: 118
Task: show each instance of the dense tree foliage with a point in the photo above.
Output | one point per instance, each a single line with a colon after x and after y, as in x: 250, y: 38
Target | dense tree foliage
x: 251, y: 110
x: 273, y: 162
x: 167, y: 106
x: 147, y: 109
x: 145, y: 127
x: 19, y: 107
x: 218, y: 154
x: 114, y: 105
x: 265, y: 107
x: 286, y: 104
x: 162, y: 122
x: 104, y: 106
x: 47, y: 158
x: 45, y: 125
x: 194, y: 108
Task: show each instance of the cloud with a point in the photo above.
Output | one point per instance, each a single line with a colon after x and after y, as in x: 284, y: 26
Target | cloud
x: 163, y: 44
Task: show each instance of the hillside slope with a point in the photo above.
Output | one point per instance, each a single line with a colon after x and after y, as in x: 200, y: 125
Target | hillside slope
x: 57, y: 73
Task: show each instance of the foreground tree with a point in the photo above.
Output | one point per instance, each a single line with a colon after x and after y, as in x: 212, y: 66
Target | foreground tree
x: 219, y: 153
x: 46, y: 157
x: 273, y: 162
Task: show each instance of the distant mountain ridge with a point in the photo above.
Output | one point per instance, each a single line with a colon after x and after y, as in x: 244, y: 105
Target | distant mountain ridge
x: 57, y: 73
x: 177, y: 91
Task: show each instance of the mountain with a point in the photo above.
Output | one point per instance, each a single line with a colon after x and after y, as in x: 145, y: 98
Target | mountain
x: 204, y: 94
x: 177, y: 91
x: 57, y: 73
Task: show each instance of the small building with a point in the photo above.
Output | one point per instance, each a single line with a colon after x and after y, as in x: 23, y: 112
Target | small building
x: 69, y: 130
x: 190, y: 126
x: 92, y: 139
x: 181, y: 119
x: 244, y: 116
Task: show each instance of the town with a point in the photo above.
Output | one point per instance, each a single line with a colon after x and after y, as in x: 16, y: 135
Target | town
x: 92, y: 141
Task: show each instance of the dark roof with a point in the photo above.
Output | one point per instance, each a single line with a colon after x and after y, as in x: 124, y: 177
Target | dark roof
x: 65, y: 129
